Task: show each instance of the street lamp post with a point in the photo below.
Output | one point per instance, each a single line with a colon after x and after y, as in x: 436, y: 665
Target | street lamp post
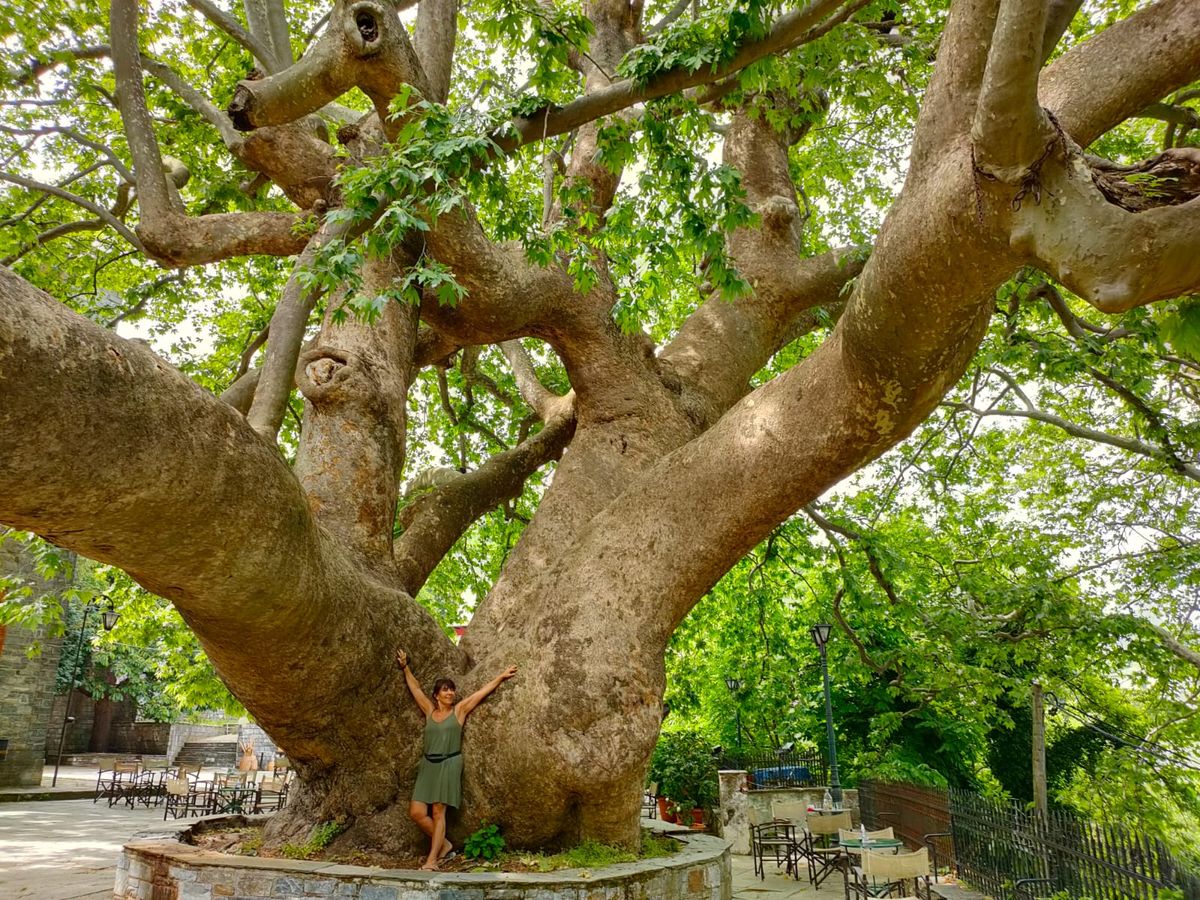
x: 820, y: 635
x: 735, y: 688
x: 109, y: 618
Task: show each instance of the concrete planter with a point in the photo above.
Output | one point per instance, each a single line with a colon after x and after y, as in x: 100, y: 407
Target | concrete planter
x: 160, y: 866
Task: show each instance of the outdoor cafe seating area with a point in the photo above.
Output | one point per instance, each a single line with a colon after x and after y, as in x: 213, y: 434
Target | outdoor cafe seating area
x: 822, y: 844
x: 184, y: 791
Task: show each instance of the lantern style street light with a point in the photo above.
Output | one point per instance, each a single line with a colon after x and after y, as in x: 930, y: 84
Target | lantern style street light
x: 109, y: 619
x: 735, y: 688
x: 820, y: 635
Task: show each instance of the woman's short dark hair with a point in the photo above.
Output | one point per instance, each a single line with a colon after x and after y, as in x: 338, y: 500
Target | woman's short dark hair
x: 443, y: 683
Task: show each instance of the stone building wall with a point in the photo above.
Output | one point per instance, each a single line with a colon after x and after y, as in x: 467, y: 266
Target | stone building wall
x: 737, y: 801
x: 79, y: 732
x: 26, y: 684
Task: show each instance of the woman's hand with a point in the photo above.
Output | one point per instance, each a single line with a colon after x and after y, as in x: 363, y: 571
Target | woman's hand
x: 402, y: 659
x: 508, y: 673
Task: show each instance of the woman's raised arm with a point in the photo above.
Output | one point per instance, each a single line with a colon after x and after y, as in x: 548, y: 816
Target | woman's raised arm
x: 464, y: 707
x: 414, y: 686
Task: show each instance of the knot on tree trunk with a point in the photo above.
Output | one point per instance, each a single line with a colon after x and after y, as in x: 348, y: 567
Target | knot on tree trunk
x: 364, y: 27
x: 1169, y: 179
x: 328, y: 375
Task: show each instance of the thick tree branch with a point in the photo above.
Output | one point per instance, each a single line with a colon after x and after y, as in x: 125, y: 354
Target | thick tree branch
x: 790, y: 30
x: 434, y: 39
x: 355, y: 384
x: 268, y: 21
x: 1123, y: 69
x: 365, y: 45
x: 1113, y: 258
x: 948, y: 109
x: 1059, y: 14
x: 437, y: 520
x: 218, y: 524
x: 540, y: 398
x: 1010, y: 131
x: 283, y: 349
x: 723, y: 344
x: 167, y: 234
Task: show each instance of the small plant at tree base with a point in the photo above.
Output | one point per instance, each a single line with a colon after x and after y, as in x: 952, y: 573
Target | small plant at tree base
x: 318, y: 839
x: 486, y: 843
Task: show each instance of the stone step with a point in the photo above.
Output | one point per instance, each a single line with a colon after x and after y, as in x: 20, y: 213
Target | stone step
x: 210, y: 754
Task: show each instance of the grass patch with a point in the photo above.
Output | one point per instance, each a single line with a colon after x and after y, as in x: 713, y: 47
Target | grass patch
x: 318, y: 839
x: 594, y: 855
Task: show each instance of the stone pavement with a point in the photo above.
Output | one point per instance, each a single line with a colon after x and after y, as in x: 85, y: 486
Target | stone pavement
x: 65, y: 848
x: 777, y: 886
x: 68, y: 849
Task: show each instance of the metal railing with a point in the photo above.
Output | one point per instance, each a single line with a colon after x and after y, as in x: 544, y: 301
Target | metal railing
x: 920, y: 816
x: 772, y: 769
x: 1013, y: 853
x: 998, y: 843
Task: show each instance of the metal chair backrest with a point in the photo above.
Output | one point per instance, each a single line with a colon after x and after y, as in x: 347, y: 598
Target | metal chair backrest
x: 794, y: 811
x: 179, y: 787
x: 902, y: 865
x: 871, y: 835
x: 757, y: 817
x: 830, y: 823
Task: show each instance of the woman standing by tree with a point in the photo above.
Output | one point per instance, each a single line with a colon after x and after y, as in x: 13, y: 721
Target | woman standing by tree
x: 439, y: 776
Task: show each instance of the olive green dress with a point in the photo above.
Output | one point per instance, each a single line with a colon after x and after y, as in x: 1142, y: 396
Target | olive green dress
x: 439, y: 776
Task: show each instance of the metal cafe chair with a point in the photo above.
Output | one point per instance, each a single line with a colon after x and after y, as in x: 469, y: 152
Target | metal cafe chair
x: 272, y: 794
x: 768, y: 836
x: 822, y: 849
x: 795, y: 813
x: 186, y: 796
x: 887, y: 875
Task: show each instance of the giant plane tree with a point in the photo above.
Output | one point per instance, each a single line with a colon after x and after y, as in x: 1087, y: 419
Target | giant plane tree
x: 697, y: 262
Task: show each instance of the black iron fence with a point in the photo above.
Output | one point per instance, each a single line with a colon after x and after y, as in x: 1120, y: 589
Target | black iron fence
x: 772, y: 769
x: 920, y: 816
x: 1011, y: 853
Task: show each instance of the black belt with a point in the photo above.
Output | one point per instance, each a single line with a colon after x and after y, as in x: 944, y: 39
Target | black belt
x: 442, y: 757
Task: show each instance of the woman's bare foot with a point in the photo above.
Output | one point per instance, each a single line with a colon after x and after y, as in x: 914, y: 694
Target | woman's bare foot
x: 429, y: 867
x: 447, y: 850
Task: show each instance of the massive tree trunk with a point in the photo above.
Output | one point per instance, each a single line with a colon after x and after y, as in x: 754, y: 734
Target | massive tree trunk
x: 296, y: 581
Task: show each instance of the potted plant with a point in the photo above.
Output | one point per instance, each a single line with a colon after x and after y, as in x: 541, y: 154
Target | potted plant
x: 682, y: 765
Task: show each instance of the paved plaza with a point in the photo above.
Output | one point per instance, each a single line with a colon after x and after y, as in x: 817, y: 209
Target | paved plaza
x: 65, y: 849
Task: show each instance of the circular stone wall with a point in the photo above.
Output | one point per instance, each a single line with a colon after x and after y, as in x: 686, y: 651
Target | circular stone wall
x: 160, y: 865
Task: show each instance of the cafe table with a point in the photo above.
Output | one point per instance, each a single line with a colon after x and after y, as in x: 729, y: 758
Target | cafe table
x: 855, y: 845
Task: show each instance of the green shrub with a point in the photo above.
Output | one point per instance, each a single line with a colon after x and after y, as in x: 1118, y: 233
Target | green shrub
x: 683, y: 766
x: 486, y: 843
x: 318, y: 839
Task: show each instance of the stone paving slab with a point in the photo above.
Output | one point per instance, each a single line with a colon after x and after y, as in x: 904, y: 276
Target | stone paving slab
x: 64, y: 850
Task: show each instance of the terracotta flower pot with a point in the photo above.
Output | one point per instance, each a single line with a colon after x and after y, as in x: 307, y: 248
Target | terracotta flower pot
x: 663, y: 812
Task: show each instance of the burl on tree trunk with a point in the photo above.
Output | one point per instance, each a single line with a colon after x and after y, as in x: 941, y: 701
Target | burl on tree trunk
x: 297, y: 581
